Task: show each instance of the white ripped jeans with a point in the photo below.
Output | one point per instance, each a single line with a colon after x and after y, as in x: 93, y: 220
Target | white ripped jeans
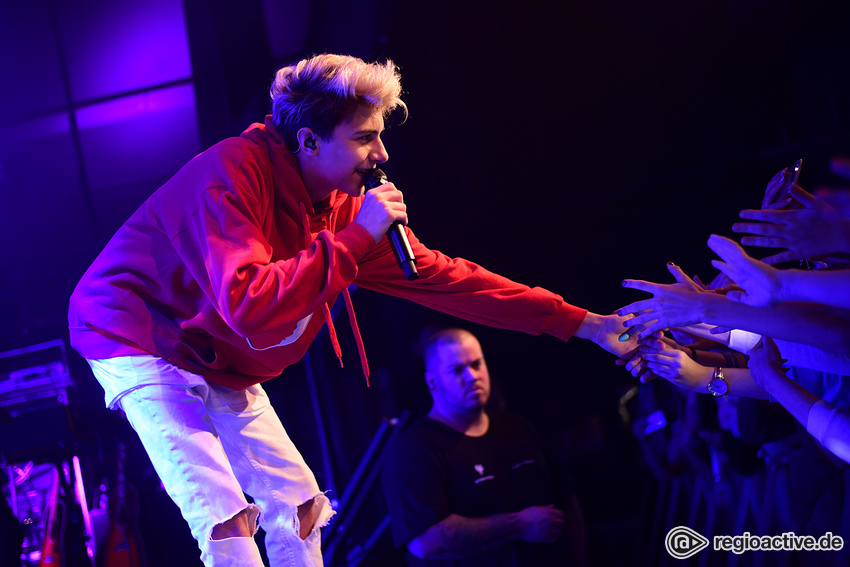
x: 209, y: 444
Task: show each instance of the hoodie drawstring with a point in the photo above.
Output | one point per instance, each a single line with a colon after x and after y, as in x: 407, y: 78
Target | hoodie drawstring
x: 355, y: 328
x: 326, y: 311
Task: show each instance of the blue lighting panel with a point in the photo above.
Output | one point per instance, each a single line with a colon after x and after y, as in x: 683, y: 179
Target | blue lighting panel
x: 115, y: 47
x: 37, y: 158
x: 29, y: 62
x: 42, y: 208
x: 144, y: 136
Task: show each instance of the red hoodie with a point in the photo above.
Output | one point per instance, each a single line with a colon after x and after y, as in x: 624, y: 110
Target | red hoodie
x: 227, y: 271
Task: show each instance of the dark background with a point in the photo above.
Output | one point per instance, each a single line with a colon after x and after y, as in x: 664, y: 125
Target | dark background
x: 566, y: 145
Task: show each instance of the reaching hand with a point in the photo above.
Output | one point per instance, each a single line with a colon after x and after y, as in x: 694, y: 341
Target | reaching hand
x: 761, y: 283
x: 764, y: 357
x: 814, y: 230
x: 775, y: 195
x: 674, y: 365
x: 607, y: 332
x: 541, y: 523
x: 636, y: 367
x: 672, y: 305
x: 684, y: 340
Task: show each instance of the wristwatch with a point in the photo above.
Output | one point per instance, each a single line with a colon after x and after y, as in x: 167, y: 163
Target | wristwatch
x: 718, y: 386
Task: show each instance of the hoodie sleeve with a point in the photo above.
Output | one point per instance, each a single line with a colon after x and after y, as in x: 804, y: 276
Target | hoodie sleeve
x: 464, y: 289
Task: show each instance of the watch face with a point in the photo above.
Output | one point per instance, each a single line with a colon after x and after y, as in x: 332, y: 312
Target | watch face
x: 718, y: 386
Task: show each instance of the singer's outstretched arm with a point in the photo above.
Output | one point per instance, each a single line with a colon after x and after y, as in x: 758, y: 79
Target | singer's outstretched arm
x: 464, y: 289
x: 605, y: 331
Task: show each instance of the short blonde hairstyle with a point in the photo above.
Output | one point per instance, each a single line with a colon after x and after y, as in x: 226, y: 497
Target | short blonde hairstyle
x: 325, y: 90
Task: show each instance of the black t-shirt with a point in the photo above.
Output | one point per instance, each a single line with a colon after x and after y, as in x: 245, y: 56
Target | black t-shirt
x: 431, y: 471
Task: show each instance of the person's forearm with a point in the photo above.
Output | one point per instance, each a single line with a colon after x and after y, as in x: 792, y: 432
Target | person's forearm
x: 831, y: 427
x: 804, y: 323
x: 793, y: 397
x: 589, y: 326
x: 463, y: 289
x: 458, y: 536
x: 739, y: 381
x: 827, y: 287
x: 724, y: 359
x: 703, y: 330
x: 741, y: 384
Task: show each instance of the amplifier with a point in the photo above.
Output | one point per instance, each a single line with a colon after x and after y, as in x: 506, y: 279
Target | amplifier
x: 34, y: 378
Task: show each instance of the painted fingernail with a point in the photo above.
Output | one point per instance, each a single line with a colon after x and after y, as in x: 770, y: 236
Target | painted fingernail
x: 625, y: 323
x: 623, y: 282
x: 620, y: 313
x: 670, y: 264
x: 624, y: 337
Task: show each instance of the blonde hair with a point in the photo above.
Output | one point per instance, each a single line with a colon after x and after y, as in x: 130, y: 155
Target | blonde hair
x: 323, y: 91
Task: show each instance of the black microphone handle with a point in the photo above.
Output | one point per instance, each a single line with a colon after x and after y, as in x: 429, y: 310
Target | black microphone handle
x: 402, y: 250
x: 396, y: 234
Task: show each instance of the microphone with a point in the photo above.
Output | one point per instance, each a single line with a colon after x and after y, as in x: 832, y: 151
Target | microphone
x: 396, y: 235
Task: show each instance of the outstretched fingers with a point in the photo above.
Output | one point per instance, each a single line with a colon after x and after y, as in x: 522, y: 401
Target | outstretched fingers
x: 642, y: 285
x: 805, y: 198
x: 726, y: 248
x: 732, y: 274
x: 642, y: 315
x: 763, y: 215
x: 681, y: 277
x: 763, y: 230
x: 779, y: 258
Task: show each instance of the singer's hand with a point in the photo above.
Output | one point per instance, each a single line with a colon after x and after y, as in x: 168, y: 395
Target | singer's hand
x: 381, y: 207
x: 607, y: 331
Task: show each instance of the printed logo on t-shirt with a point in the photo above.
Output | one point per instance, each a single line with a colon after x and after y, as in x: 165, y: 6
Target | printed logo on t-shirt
x: 480, y: 470
x: 523, y: 463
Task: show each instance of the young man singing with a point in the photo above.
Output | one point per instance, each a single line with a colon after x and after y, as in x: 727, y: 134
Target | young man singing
x: 225, y: 275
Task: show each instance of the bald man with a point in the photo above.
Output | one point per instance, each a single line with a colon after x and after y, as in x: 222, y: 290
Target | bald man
x: 470, y: 487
